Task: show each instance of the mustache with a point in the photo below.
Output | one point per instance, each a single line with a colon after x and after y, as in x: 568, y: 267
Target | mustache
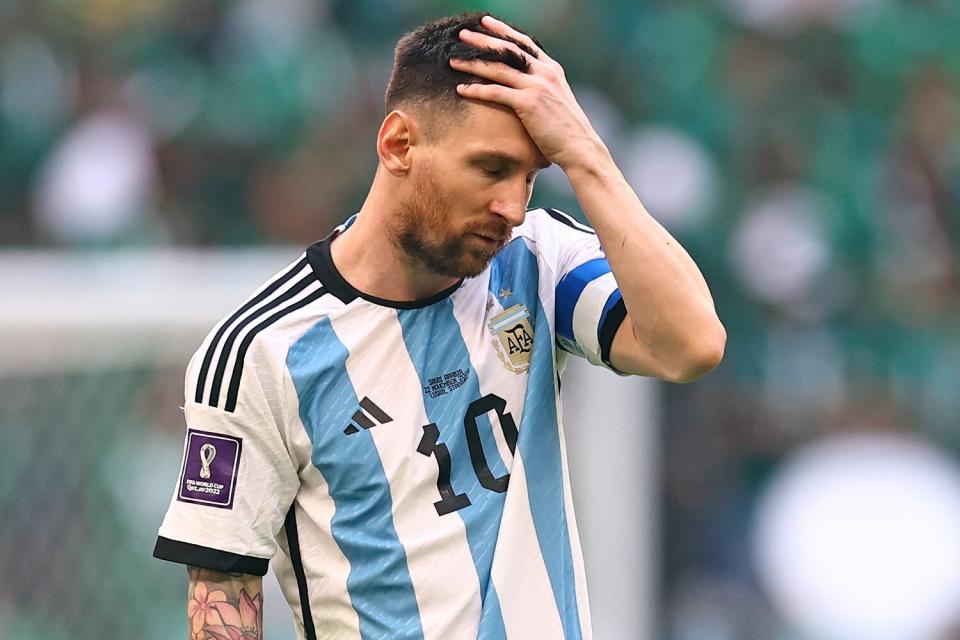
x: 501, y: 233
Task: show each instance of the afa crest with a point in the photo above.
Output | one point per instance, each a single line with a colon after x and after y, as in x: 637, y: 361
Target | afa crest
x: 513, y: 337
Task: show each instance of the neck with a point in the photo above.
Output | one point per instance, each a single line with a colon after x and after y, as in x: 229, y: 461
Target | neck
x: 371, y: 262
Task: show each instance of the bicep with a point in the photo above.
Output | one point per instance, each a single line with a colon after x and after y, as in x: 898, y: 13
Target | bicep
x: 224, y: 604
x: 629, y: 354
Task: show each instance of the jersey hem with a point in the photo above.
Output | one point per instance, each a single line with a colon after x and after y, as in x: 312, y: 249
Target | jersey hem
x: 207, y: 558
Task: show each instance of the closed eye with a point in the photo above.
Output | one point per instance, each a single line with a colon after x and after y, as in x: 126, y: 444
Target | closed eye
x: 495, y: 173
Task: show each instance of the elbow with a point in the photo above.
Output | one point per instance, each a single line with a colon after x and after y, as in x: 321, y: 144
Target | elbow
x: 702, y: 355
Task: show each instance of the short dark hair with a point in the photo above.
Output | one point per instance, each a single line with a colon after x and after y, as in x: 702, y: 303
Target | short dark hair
x: 421, y: 63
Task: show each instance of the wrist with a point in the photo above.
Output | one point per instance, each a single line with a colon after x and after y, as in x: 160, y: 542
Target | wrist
x: 592, y: 158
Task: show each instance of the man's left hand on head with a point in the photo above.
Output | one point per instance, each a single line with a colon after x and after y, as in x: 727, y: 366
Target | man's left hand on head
x: 541, y: 98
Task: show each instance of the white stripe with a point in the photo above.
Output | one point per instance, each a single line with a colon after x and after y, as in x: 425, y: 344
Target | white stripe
x: 469, y: 307
x: 576, y: 552
x: 519, y: 573
x: 441, y: 567
x: 587, y: 312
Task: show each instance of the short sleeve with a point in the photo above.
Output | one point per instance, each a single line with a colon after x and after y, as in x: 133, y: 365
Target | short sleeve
x: 236, y: 481
x: 589, y: 306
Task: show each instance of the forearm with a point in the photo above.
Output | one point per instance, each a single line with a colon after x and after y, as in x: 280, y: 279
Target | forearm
x: 664, y: 292
x: 675, y: 332
x: 221, y: 605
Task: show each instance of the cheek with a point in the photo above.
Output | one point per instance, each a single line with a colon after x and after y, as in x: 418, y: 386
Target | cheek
x: 478, y: 197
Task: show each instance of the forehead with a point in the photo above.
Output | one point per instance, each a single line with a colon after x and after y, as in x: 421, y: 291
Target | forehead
x: 494, y: 130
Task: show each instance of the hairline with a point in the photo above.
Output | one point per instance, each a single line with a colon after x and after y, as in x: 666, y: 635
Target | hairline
x: 443, y: 100
x: 434, y: 117
x: 439, y: 124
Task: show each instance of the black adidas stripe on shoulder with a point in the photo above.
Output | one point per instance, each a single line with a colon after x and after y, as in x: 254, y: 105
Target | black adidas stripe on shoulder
x: 267, y: 308
x: 234, y: 388
x: 563, y: 218
x: 250, y: 304
x: 231, y: 339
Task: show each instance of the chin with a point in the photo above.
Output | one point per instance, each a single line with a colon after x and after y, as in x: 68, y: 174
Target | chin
x: 468, y: 266
x: 476, y: 263
x: 463, y: 269
x: 473, y: 271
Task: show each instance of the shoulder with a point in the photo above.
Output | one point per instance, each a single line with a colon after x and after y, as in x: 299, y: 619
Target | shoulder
x: 552, y: 225
x: 249, y: 344
x: 557, y: 220
x: 552, y: 234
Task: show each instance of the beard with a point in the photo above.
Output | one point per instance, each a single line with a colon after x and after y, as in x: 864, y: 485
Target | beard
x: 422, y: 232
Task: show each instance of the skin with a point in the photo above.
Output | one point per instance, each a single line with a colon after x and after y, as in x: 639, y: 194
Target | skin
x: 442, y: 191
x: 224, y: 606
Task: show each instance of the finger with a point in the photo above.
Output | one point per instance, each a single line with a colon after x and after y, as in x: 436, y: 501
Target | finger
x: 498, y: 93
x: 504, y: 29
x: 494, y: 71
x: 484, y: 41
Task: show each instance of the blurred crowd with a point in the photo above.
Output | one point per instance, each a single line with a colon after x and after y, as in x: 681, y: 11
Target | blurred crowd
x: 805, y: 152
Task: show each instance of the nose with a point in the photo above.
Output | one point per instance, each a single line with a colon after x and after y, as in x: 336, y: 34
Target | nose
x: 514, y: 213
x: 511, y: 207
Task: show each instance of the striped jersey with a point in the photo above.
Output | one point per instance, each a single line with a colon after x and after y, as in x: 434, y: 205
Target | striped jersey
x: 401, y: 464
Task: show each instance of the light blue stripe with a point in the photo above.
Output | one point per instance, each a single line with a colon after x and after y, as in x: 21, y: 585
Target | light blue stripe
x: 491, y: 618
x: 515, y: 268
x: 569, y: 289
x: 436, y: 346
x: 379, y: 580
x: 509, y: 320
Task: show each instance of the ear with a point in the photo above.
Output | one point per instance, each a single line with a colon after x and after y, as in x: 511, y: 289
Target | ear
x: 397, y: 136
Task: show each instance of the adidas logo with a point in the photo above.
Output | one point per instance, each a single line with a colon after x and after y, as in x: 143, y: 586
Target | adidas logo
x: 374, y: 415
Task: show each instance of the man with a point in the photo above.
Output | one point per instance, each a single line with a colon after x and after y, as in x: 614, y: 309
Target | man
x: 382, y: 418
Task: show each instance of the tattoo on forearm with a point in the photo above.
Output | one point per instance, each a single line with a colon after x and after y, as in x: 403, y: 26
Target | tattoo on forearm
x: 224, y: 607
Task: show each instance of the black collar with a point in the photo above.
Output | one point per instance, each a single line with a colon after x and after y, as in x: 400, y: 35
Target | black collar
x: 318, y: 255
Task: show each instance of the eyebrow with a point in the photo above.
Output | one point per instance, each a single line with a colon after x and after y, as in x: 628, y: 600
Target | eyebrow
x: 505, y: 158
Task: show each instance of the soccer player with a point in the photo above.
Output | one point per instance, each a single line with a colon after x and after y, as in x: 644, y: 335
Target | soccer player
x: 381, y: 419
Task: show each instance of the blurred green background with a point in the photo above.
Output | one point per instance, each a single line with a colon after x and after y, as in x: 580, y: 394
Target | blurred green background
x: 805, y: 152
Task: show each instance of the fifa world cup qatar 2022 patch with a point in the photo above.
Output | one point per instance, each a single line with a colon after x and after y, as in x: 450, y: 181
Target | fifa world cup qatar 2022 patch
x: 210, y: 464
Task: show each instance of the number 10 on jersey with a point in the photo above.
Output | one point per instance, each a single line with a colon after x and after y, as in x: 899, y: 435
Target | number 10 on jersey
x: 450, y: 500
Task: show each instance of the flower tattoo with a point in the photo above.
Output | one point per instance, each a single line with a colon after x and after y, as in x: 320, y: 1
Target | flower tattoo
x: 225, y: 613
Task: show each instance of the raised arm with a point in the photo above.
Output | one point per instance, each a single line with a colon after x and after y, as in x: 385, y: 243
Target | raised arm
x: 673, y: 330
x: 224, y: 606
